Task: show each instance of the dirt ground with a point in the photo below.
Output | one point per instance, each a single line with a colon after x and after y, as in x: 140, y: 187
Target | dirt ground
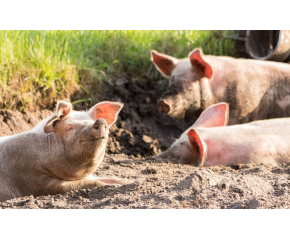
x: 142, y: 132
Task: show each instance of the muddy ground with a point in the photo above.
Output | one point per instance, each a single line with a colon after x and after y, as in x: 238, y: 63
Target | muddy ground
x: 141, y: 132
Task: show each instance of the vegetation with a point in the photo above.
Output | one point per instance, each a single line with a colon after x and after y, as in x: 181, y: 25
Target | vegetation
x: 38, y: 67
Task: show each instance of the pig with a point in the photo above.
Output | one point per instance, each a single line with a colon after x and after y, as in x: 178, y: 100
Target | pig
x: 59, y: 154
x: 210, y: 142
x: 255, y: 89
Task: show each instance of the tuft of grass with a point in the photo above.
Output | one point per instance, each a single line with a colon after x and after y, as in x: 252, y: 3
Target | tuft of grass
x: 39, y: 67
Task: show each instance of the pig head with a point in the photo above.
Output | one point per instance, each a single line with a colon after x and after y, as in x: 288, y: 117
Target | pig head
x: 190, y: 148
x: 183, y: 96
x: 79, y: 139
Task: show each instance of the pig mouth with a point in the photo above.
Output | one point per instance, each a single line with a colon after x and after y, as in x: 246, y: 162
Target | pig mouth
x: 92, y: 139
x: 177, y: 114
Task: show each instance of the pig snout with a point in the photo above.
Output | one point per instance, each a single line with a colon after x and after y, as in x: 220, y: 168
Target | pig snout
x: 163, y: 106
x: 99, y: 128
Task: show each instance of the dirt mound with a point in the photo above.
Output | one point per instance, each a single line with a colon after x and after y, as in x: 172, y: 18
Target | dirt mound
x: 166, y: 184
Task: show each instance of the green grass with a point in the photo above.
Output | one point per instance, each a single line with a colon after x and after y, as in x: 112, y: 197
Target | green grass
x: 39, y: 67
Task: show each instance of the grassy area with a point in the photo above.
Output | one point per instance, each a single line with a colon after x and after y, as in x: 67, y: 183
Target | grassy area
x: 39, y: 67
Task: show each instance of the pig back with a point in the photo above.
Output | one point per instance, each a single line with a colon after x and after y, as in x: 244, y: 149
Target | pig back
x: 258, y: 142
x: 255, y: 89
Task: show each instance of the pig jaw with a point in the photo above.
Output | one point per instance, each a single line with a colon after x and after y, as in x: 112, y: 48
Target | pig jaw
x: 91, y: 148
x: 183, y: 152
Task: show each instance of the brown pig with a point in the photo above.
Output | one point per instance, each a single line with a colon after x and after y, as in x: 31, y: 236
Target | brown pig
x: 59, y: 154
x: 255, y: 89
x: 209, y: 142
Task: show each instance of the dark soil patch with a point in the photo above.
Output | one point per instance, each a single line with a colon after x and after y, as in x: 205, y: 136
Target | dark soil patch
x: 140, y: 130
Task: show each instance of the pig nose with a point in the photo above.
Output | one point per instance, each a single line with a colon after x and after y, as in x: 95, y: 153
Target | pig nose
x: 163, y: 106
x: 99, y: 129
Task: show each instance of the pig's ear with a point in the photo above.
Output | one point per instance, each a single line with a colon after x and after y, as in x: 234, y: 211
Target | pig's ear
x: 62, y: 108
x: 198, y: 147
x: 216, y: 115
x: 164, y: 63
x: 106, y: 110
x: 196, y: 59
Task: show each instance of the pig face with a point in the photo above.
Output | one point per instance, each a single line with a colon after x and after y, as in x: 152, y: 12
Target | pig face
x: 80, y: 137
x: 183, y: 96
x: 190, y: 147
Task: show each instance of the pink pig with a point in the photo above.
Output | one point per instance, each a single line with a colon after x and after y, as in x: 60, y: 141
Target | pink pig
x: 59, y: 154
x: 209, y: 142
x: 254, y: 89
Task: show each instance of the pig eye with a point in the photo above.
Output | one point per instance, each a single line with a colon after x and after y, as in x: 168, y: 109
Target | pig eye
x: 69, y: 127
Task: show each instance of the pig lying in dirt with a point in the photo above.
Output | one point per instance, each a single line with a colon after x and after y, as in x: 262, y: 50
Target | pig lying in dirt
x: 209, y: 142
x: 255, y: 89
x: 59, y: 154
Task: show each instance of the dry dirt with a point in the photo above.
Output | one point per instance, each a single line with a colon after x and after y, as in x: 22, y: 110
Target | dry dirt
x: 141, y: 132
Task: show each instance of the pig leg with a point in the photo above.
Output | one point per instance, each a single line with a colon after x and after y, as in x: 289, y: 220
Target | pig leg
x: 114, y: 181
x: 67, y: 186
x: 88, y: 183
x: 55, y: 186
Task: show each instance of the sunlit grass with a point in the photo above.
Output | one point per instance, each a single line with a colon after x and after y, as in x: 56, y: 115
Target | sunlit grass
x: 39, y: 67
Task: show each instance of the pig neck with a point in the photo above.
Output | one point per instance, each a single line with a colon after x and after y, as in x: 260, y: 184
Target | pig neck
x: 83, y: 169
x: 222, y: 83
x: 254, y: 143
x: 213, y: 90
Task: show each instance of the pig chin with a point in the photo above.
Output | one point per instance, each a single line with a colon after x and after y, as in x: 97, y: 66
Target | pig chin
x: 94, y: 143
x: 189, y: 161
x: 89, y: 149
x: 180, y: 112
x: 183, y: 109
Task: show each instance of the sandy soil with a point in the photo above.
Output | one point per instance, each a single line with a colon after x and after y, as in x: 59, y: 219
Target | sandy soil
x: 166, y: 184
x: 141, y: 132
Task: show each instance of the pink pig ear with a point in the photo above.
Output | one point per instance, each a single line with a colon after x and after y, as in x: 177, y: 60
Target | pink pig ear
x: 196, y: 59
x: 62, y: 108
x: 164, y: 63
x: 106, y: 110
x: 216, y: 115
x: 198, y: 147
